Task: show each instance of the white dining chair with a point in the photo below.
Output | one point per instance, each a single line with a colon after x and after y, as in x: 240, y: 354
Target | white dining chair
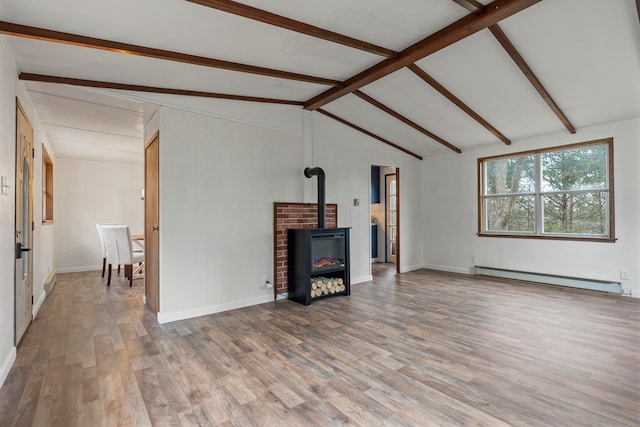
x: 104, y: 246
x: 120, y: 251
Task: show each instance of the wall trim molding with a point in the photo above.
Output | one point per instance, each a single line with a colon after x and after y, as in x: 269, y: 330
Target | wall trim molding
x: 361, y: 279
x: 79, y: 269
x: 409, y: 268
x: 38, y: 304
x: 448, y: 269
x: 212, y: 309
x: 7, y: 364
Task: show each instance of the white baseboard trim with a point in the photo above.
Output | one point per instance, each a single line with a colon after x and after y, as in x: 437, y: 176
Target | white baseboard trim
x: 449, y: 269
x: 79, y: 269
x: 410, y: 268
x: 361, y: 279
x: 50, y: 282
x: 284, y: 295
x: 212, y: 309
x: 7, y: 364
x: 38, y: 304
x: 549, y: 279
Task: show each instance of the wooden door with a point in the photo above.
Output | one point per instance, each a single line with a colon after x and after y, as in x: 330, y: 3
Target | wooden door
x: 151, y: 224
x: 24, y: 225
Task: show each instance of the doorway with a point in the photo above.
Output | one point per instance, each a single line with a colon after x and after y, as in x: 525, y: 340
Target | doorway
x: 23, y: 283
x: 385, y: 219
x: 151, y: 224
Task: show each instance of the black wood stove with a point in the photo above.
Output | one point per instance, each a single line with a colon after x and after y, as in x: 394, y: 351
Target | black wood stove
x: 318, y: 257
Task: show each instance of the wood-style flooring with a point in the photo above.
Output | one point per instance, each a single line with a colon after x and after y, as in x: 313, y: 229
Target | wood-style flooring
x: 416, y: 349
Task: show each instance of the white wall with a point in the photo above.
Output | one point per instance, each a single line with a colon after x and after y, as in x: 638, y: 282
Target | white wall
x: 219, y: 177
x: 7, y: 207
x: 218, y: 182
x: 10, y: 88
x: 91, y: 192
x: 451, y: 222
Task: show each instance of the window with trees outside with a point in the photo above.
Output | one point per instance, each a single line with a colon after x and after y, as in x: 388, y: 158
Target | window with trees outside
x: 557, y: 193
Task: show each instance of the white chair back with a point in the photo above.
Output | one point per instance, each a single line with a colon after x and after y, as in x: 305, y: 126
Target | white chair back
x: 118, y: 243
x: 102, y: 242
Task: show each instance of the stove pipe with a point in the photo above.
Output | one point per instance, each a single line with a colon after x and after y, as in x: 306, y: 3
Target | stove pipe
x: 309, y: 172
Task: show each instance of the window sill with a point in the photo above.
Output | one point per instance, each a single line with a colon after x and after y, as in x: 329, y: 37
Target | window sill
x: 561, y: 238
x: 47, y: 222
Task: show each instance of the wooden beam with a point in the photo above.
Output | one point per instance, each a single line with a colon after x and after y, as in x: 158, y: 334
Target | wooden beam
x: 638, y: 9
x: 528, y: 72
x: 470, y: 5
x: 131, y: 49
x: 366, y: 132
x: 280, y: 21
x: 405, y: 120
x: 462, y: 28
x: 458, y: 102
x: 502, y: 38
x: 150, y: 89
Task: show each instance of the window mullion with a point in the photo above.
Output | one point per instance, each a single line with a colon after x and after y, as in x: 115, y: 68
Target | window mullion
x: 539, y: 212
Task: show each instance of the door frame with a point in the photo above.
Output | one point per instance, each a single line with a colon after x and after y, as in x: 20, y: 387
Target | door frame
x: 386, y: 220
x: 19, y: 281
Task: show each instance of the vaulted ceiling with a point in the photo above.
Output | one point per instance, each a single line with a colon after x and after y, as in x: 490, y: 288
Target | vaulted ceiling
x: 425, y: 76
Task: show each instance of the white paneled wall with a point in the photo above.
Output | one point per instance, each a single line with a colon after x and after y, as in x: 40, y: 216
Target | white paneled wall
x: 7, y: 207
x: 10, y: 89
x: 451, y: 221
x: 219, y: 179
x: 87, y: 193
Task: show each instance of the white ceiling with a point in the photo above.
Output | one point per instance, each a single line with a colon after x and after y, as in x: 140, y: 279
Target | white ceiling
x: 585, y: 52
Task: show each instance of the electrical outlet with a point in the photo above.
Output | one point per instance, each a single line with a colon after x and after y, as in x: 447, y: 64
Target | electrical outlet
x: 474, y: 259
x: 356, y: 202
x: 267, y: 282
x: 624, y: 274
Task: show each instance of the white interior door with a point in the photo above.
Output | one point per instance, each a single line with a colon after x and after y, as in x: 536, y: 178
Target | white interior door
x: 24, y: 226
x: 392, y: 217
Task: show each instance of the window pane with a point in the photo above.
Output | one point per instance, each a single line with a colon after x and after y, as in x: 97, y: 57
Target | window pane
x: 582, y: 213
x: 511, y: 213
x: 512, y: 175
x: 582, y: 168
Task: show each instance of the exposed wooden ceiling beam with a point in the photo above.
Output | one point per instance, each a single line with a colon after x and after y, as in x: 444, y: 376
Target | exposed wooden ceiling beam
x: 462, y: 28
x: 458, y: 102
x: 405, y: 120
x: 366, y: 132
x: 150, y: 89
x: 131, y: 49
x: 528, y: 72
x: 502, y: 38
x: 470, y: 5
x: 266, y: 17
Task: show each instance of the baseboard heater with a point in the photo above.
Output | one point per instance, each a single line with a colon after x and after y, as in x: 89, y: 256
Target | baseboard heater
x: 573, y: 282
x: 50, y: 283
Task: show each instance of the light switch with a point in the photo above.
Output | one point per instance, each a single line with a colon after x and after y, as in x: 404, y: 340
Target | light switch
x: 4, y: 186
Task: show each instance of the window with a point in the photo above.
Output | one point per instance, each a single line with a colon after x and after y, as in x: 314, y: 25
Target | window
x: 558, y: 193
x: 47, y: 187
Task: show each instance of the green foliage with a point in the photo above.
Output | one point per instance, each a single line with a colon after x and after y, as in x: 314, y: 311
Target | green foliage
x: 573, y: 192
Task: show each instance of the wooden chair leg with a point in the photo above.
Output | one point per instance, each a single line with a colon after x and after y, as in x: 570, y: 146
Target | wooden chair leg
x: 128, y: 272
x: 109, y: 277
x: 104, y: 264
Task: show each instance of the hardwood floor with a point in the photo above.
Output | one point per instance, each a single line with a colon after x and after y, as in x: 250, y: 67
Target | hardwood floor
x: 416, y: 349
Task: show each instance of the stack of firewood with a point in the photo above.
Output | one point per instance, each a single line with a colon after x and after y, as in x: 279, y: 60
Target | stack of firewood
x: 325, y: 286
